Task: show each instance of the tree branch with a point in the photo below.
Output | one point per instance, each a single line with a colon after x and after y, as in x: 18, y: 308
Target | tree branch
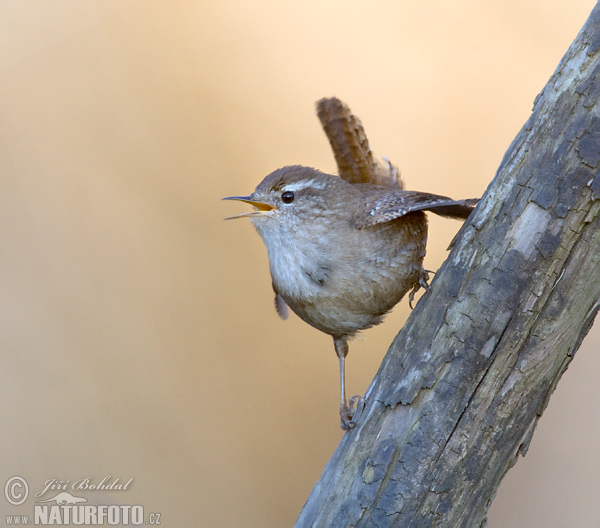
x: 458, y: 395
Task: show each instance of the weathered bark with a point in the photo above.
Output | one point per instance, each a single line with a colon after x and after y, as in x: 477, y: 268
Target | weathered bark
x: 461, y: 389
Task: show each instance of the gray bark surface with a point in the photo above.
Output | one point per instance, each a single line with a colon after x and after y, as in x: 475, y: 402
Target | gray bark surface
x: 459, y: 393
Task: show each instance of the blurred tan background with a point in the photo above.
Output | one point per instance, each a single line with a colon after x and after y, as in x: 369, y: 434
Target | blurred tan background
x: 138, y: 334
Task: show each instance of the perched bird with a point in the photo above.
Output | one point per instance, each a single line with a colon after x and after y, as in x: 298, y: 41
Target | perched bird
x: 343, y: 254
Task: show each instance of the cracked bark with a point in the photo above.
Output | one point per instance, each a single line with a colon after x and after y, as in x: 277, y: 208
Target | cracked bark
x: 459, y: 393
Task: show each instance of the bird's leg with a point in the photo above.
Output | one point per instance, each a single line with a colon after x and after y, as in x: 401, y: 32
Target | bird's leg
x: 346, y: 410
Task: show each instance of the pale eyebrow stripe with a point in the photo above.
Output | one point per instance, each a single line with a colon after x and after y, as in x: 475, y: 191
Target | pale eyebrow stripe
x: 303, y: 185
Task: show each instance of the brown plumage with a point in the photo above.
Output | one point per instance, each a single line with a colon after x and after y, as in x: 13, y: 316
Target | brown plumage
x: 342, y: 255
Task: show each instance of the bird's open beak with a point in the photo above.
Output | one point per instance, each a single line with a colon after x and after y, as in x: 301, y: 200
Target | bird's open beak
x: 261, y: 207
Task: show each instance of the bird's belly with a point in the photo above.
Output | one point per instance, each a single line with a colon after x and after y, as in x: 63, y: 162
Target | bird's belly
x: 347, y: 302
x: 341, y: 289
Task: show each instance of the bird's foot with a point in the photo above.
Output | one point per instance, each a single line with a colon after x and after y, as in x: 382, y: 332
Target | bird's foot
x: 423, y: 283
x: 349, y: 411
x: 424, y: 280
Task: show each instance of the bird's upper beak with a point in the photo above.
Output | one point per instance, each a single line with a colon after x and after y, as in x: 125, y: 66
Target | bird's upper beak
x: 261, y: 207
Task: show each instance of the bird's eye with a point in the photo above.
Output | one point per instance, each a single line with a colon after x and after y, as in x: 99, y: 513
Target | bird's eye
x: 287, y: 197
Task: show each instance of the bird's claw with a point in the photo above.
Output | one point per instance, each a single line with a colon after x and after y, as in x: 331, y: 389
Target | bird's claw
x: 349, y: 412
x: 423, y: 283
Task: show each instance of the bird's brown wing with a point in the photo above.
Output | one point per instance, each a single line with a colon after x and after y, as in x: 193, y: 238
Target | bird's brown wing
x: 385, y: 206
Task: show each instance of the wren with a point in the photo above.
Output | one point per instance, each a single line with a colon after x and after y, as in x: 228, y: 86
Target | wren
x: 342, y: 255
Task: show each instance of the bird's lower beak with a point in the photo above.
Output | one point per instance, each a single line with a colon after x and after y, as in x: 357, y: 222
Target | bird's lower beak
x: 261, y: 207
